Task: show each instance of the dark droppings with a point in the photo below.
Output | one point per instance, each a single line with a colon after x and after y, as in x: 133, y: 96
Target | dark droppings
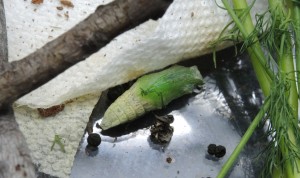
x: 211, y: 149
x: 218, y: 151
x: 169, y: 160
x: 161, y: 131
x: 94, y: 139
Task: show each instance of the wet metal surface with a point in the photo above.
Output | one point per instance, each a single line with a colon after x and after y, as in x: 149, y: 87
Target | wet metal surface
x: 219, y: 114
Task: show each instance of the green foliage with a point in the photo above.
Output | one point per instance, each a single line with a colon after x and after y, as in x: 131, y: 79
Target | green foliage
x: 283, y: 131
x: 275, y: 31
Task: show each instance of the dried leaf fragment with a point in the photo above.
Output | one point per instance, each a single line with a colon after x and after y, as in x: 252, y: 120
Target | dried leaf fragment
x: 46, y: 112
x: 59, y: 8
x: 67, y: 3
x: 37, y: 1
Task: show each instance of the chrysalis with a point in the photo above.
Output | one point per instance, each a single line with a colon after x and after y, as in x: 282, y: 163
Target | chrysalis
x: 150, y: 92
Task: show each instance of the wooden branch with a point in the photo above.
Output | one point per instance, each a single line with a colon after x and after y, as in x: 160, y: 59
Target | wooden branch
x: 15, y: 160
x: 3, y: 38
x: 108, y: 21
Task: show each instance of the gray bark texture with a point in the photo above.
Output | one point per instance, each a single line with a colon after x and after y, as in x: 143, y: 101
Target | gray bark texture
x: 20, y: 77
x: 15, y: 161
x: 3, y: 38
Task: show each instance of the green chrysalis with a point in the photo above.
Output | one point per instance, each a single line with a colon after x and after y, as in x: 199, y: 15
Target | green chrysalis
x: 150, y: 92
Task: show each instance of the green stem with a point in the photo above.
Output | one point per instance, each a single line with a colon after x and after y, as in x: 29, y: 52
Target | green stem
x: 231, y: 160
x: 287, y: 68
x: 286, y: 65
x: 264, y: 74
x: 296, y: 22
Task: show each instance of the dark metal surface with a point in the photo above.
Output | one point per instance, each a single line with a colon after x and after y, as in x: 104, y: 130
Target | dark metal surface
x: 220, y: 114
